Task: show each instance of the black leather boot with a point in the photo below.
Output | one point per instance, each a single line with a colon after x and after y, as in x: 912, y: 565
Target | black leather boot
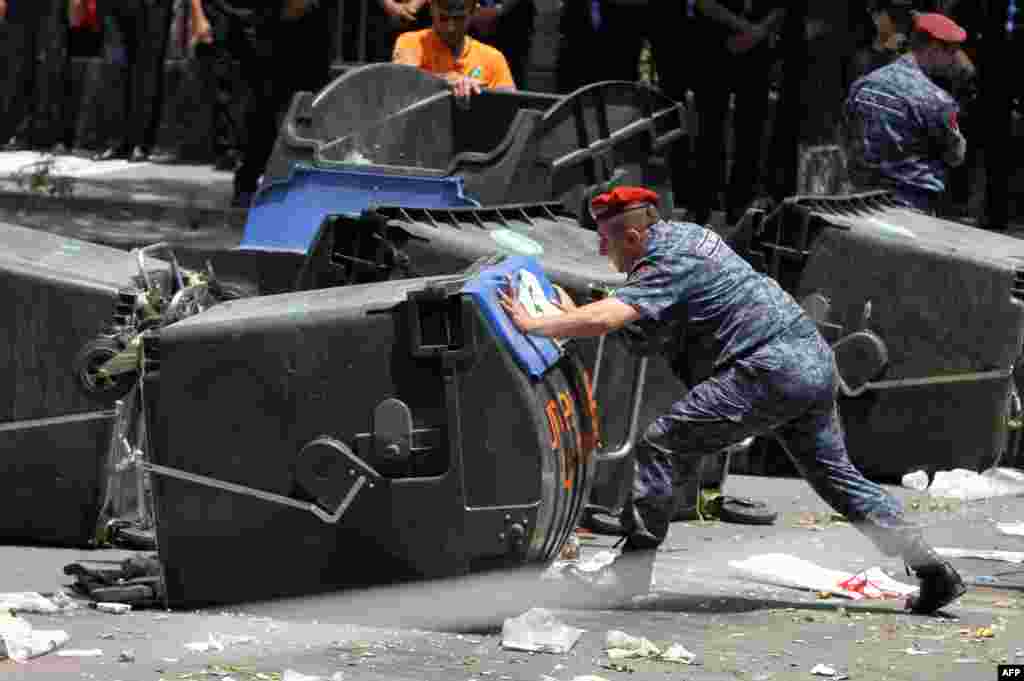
x: 940, y: 583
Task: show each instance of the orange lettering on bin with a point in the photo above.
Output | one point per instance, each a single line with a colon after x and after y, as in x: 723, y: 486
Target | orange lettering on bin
x: 551, y: 409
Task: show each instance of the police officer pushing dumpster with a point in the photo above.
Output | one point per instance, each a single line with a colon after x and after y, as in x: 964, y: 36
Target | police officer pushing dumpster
x: 757, y: 365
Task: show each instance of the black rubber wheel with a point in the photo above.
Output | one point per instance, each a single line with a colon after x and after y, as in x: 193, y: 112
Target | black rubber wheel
x: 744, y: 511
x: 601, y: 523
x: 87, y: 363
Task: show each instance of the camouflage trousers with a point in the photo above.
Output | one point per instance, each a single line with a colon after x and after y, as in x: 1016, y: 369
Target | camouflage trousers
x: 788, y: 389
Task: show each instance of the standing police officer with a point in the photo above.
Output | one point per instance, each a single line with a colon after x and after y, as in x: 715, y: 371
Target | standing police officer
x: 757, y: 365
x: 902, y: 127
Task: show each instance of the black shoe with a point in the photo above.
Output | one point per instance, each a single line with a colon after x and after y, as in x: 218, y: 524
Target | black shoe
x: 940, y: 586
x: 114, y: 153
x: 139, y: 155
x: 17, y: 144
x: 228, y: 161
x: 165, y: 158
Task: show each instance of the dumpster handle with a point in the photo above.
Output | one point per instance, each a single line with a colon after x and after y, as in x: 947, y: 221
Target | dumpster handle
x: 329, y: 518
x: 164, y: 246
x: 639, y: 378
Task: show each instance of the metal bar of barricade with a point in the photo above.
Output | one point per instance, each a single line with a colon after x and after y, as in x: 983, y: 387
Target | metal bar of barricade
x: 364, y: 9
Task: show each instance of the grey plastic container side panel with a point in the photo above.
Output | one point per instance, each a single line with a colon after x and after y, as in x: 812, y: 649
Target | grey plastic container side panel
x: 45, y: 321
x: 936, y: 428
x: 52, y: 481
x: 938, y: 309
x: 72, y: 257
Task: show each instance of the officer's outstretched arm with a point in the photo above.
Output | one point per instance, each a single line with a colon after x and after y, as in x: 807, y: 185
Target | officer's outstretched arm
x: 595, y: 319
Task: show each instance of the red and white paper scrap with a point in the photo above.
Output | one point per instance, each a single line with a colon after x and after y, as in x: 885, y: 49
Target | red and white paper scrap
x: 782, y: 569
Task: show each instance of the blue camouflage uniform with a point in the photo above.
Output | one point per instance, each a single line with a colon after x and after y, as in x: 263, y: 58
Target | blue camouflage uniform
x: 902, y: 133
x: 756, y: 364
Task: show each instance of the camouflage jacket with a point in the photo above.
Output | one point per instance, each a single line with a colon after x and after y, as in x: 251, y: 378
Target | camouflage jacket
x: 701, y: 304
x: 901, y: 129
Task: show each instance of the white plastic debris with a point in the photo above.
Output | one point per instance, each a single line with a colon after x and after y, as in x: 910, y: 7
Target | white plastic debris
x: 918, y: 480
x: 982, y: 554
x: 620, y: 645
x: 917, y: 651
x: 211, y: 643
x: 292, y: 675
x: 782, y: 569
x: 966, y: 485
x: 126, y: 656
x: 31, y: 602
x: 823, y: 670
x: 19, y: 641
x: 114, y: 608
x: 87, y: 652
x: 589, y: 677
x: 1012, y: 529
x: 537, y: 630
x: 677, y: 653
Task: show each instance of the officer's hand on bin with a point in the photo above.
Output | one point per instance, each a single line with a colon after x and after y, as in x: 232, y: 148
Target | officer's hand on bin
x: 565, y: 301
x: 202, y: 32
x: 515, y: 310
x: 3, y: 10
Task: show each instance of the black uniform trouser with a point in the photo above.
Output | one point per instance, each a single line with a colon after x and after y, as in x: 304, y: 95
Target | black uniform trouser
x: 217, y: 70
x: 276, y: 59
x: 39, y: 107
x: 746, y: 76
x: 138, y: 32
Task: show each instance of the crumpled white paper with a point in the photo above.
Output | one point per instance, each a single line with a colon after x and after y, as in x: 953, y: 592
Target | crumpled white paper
x: 19, y: 641
x: 30, y: 601
x: 781, y: 569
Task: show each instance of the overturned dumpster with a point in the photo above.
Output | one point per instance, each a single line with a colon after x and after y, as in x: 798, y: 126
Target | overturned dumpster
x: 362, y: 435
x: 63, y: 303
x: 925, y: 317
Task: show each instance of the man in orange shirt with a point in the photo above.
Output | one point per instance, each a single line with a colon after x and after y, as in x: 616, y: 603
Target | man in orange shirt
x: 446, y: 50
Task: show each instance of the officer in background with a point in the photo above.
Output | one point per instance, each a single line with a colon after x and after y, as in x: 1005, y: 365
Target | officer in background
x: 507, y: 25
x: 902, y: 128
x: 757, y: 365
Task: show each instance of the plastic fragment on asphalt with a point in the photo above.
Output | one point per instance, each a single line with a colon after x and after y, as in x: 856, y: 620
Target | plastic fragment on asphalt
x: 32, y: 602
x: 90, y: 652
x: 126, y: 656
x: 982, y: 554
x: 782, y: 569
x: 620, y: 646
x: 537, y: 630
x: 967, y: 485
x: 20, y: 642
x: 1012, y: 529
x: 823, y: 670
x: 114, y: 608
x: 589, y: 677
x: 677, y: 653
x: 292, y: 675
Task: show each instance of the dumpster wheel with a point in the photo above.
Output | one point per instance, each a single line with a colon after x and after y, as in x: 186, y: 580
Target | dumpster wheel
x: 91, y: 381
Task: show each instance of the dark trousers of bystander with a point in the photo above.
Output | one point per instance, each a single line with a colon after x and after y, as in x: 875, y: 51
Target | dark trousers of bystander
x: 217, y: 72
x: 39, y: 111
x: 137, y: 33
x: 746, y: 77
x: 514, y: 39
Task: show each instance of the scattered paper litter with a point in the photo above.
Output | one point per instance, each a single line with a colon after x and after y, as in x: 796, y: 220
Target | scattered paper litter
x: 782, y: 569
x: 19, y: 641
x: 32, y: 602
x: 620, y: 646
x: 537, y: 630
x: 1012, y: 529
x: 209, y: 644
x: 917, y: 651
x: 982, y: 554
x: 292, y: 675
x: 88, y: 652
x: 823, y: 670
x: 114, y: 608
x: 967, y: 485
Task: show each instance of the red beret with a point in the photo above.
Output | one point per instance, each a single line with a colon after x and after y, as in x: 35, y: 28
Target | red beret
x: 617, y: 200
x: 940, y: 27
